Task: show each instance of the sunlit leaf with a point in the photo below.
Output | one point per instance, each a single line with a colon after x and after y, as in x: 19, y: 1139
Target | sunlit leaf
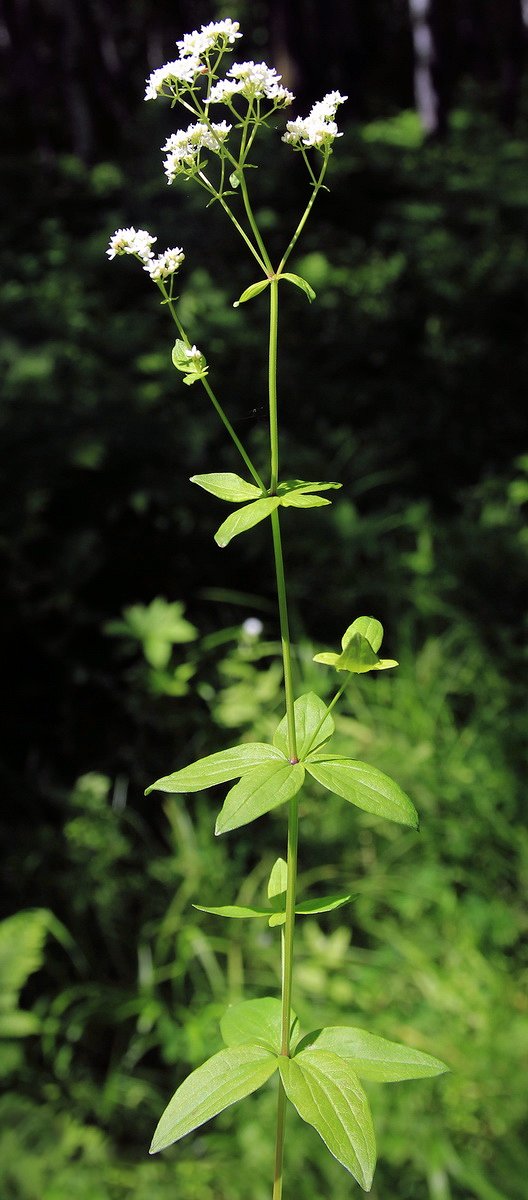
x: 312, y: 723
x: 373, y: 1057
x: 225, y: 1078
x: 257, y: 1021
x: 278, y: 880
x: 227, y: 486
x: 329, y: 1096
x: 368, y: 627
x: 217, y: 768
x: 301, y: 500
x: 254, y: 289
x: 262, y: 789
x: 364, y: 786
x: 245, y: 518
x: 300, y: 283
x: 238, y: 912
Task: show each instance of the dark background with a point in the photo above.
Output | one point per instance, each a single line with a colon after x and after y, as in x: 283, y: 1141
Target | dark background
x: 406, y: 380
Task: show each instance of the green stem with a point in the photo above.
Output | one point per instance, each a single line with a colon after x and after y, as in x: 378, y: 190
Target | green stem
x: 253, y: 223
x: 272, y: 377
x: 216, y: 403
x: 263, y: 263
x: 304, y: 218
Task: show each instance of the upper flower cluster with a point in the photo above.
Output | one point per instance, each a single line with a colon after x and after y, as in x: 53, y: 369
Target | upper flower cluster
x: 183, y: 148
x: 318, y: 129
x: 176, y: 77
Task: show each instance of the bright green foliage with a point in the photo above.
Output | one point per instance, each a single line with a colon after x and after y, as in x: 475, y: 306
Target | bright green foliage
x: 275, y: 911
x: 225, y: 1078
x: 254, y: 289
x: 261, y: 790
x: 158, y: 627
x: 22, y: 939
x: 227, y: 486
x: 373, y: 1057
x: 217, y: 768
x: 360, y: 643
x: 300, y: 283
x: 193, y: 367
x: 329, y: 1096
x: 313, y: 726
x: 244, y: 519
x: 364, y: 786
x: 258, y: 1021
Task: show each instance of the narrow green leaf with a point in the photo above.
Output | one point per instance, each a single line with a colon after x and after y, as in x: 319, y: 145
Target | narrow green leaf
x: 304, y: 486
x: 373, y: 1057
x: 256, y: 1021
x: 310, y: 713
x: 329, y: 1096
x: 364, y: 786
x: 245, y: 518
x: 254, y: 289
x: 329, y: 658
x: 301, y: 500
x: 217, y: 768
x: 278, y: 880
x: 261, y: 790
x: 300, y: 283
x: 323, y: 904
x: 225, y: 1078
x: 368, y: 627
x: 239, y: 912
x: 227, y: 486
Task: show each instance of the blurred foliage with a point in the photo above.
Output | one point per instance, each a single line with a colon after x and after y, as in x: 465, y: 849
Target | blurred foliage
x: 135, y: 654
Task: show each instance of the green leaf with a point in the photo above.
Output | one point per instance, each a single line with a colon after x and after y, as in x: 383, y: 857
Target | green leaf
x: 329, y: 1096
x: 17, y: 1023
x: 254, y: 289
x: 227, y: 486
x: 303, y: 486
x: 262, y: 789
x: 225, y: 1078
x: 236, y: 911
x: 278, y: 880
x: 373, y: 1057
x: 300, y: 283
x: 323, y: 903
x: 364, y: 786
x: 256, y: 1021
x: 311, y: 718
x: 217, y: 768
x: 357, y: 656
x: 301, y: 500
x: 329, y: 658
x: 368, y: 627
x: 245, y: 518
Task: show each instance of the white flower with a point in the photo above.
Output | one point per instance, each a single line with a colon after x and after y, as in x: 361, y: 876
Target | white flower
x: 216, y: 35
x: 254, y: 81
x: 183, y: 148
x: 193, y: 355
x: 165, y: 264
x: 252, y: 627
x: 131, y: 241
x: 318, y: 129
x: 171, y: 75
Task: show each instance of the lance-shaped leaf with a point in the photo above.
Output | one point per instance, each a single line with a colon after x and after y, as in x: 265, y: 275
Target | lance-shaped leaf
x: 277, y: 915
x: 373, y: 1057
x: 313, y: 723
x: 256, y: 1021
x: 328, y: 1095
x: 225, y: 1078
x: 278, y: 880
x: 300, y: 283
x: 302, y: 487
x: 218, y: 768
x: 245, y: 518
x: 305, y: 908
x: 227, y: 486
x: 300, y: 500
x: 254, y: 289
x: 262, y: 789
x: 364, y: 786
x: 360, y: 645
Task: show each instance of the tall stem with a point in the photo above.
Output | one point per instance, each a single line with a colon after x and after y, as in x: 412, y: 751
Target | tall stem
x: 293, y: 815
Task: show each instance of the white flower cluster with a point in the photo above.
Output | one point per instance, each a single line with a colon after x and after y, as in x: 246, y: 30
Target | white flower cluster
x: 179, y: 76
x: 254, y: 81
x: 131, y: 241
x: 192, y: 356
x: 318, y: 129
x: 183, y: 148
x: 165, y: 264
x: 217, y: 35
